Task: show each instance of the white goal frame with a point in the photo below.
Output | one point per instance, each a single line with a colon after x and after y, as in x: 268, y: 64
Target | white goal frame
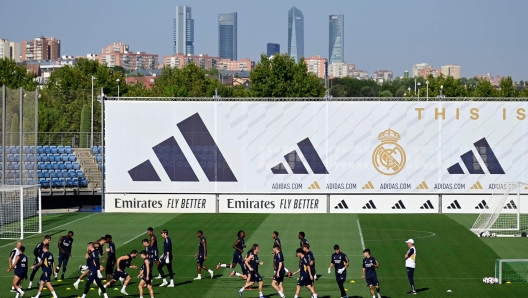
x: 28, y: 218
x: 499, y: 265
x: 488, y: 217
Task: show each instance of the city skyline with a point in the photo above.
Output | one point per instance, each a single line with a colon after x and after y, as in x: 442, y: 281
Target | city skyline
x: 295, y: 33
x: 227, y: 35
x: 391, y: 40
x: 336, y: 39
x: 183, y: 31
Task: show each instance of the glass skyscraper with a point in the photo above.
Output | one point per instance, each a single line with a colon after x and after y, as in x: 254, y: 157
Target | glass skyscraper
x: 295, y: 33
x: 183, y: 31
x: 336, y: 46
x: 227, y: 36
x: 272, y: 49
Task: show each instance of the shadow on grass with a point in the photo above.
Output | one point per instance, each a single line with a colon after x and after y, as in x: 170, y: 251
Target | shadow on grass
x: 422, y: 290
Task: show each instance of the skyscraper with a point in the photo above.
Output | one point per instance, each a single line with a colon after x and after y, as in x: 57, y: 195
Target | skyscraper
x: 272, y: 49
x: 227, y: 36
x: 336, y: 46
x: 295, y: 33
x: 183, y: 31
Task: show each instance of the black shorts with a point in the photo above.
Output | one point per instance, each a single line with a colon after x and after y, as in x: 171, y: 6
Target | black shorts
x: 238, y: 259
x: 255, y: 277
x: 120, y: 274
x: 304, y: 281
x: 200, y: 260
x: 341, y: 277
x: 110, y: 265
x: 21, y: 275
x: 372, y: 281
x: 147, y: 282
x: 63, y: 260
x: 46, y: 276
x: 278, y: 279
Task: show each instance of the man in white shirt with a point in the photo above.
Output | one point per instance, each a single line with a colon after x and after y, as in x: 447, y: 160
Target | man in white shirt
x: 410, y: 264
x: 12, y: 257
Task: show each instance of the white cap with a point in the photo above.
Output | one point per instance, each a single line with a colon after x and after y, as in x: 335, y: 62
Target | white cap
x: 410, y: 241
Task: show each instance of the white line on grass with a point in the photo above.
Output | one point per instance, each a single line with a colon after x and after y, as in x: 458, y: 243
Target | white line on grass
x: 361, y: 235
x: 134, y: 238
x: 49, y: 230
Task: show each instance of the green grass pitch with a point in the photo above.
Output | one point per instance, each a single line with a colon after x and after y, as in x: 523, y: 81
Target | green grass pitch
x: 449, y: 256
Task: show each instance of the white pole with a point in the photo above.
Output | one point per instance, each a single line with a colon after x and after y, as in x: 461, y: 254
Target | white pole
x: 519, y: 207
x: 21, y: 213
x: 91, y: 133
x: 40, y: 210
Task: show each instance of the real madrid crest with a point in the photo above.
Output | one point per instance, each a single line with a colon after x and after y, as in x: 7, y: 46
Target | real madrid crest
x: 389, y: 157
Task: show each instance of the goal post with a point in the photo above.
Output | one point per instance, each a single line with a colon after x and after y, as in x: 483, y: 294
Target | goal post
x: 505, y: 215
x: 511, y: 270
x: 20, y: 211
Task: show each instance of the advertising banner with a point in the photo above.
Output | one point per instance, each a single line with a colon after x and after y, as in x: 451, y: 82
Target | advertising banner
x: 315, y: 147
x: 467, y: 204
x: 397, y: 204
x: 272, y: 204
x: 160, y: 203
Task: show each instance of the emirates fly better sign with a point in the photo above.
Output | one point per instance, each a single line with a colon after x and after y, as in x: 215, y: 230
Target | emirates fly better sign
x: 315, y: 147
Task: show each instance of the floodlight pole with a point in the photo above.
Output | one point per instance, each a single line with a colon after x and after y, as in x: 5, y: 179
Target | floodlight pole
x: 102, y: 152
x: 91, y: 134
x: 3, y: 133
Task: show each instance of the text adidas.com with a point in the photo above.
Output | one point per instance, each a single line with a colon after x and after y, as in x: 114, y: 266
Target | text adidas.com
x: 395, y: 186
x: 449, y: 186
x: 264, y: 204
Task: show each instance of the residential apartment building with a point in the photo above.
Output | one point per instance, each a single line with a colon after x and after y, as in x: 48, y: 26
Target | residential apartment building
x: 116, y: 47
x: 359, y: 74
x: 118, y: 54
x: 336, y: 43
x: 418, y: 67
x: 183, y: 36
x: 337, y: 70
x: 381, y: 76
x: 227, y: 35
x: 451, y: 70
x: 10, y: 50
x: 316, y: 65
x: 237, y: 65
x: 425, y: 72
x: 180, y: 61
x: 41, y: 48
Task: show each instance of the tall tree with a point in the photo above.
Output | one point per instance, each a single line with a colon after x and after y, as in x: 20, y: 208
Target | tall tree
x: 281, y: 76
x: 15, y: 131
x: 85, y: 127
x: 15, y: 76
x: 507, y: 87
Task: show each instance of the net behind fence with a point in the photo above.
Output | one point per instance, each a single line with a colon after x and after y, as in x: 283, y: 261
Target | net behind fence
x: 19, y: 211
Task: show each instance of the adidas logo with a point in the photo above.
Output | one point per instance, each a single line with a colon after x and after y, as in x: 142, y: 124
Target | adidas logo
x: 510, y: 205
x: 473, y: 166
x: 341, y: 205
x: 314, y: 185
x: 295, y: 163
x: 422, y: 185
x: 369, y: 185
x: 454, y: 205
x: 369, y: 205
x: 477, y: 185
x: 399, y: 205
x: 176, y: 164
x: 427, y: 205
x: 482, y: 205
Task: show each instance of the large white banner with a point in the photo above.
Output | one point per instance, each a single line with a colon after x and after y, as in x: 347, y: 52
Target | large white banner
x: 160, y: 203
x: 315, y: 147
x: 398, y: 204
x: 272, y: 204
x: 467, y: 204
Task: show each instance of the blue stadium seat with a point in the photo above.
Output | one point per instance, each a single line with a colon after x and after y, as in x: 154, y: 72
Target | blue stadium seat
x: 53, y: 149
x: 56, y: 157
x: 11, y: 158
x: 76, y: 166
x: 17, y: 157
x: 32, y: 149
x: 64, y: 157
x: 80, y: 174
x: 60, y: 149
x: 40, y: 149
x: 32, y: 158
x: 68, y: 150
x: 27, y: 150
x: 83, y: 182
x: 62, y: 166
x: 47, y: 149
x: 55, y: 165
x: 58, y: 174
x: 69, y: 182
x: 95, y: 150
x: 16, y: 166
x: 68, y: 165
x: 72, y: 158
x: 72, y: 174
x: 44, y: 158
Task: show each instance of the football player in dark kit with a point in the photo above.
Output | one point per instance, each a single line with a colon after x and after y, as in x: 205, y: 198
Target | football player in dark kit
x: 252, y: 263
x: 20, y: 265
x: 166, y: 260
x: 111, y: 257
x: 311, y: 259
x: 65, y: 248
x: 277, y: 241
x: 279, y: 270
x: 154, y: 253
x: 239, y: 246
x: 47, y: 271
x: 340, y: 262
x: 95, y: 265
x: 37, y: 252
x: 123, y: 263
x: 201, y: 256
x: 306, y: 278
x: 302, y: 238
x: 145, y: 275
x: 369, y: 273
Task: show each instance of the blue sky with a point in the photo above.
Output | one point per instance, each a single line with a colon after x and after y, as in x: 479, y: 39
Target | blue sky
x: 480, y: 35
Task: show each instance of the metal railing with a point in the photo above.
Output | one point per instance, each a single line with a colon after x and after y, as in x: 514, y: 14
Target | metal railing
x: 329, y: 98
x: 73, y: 139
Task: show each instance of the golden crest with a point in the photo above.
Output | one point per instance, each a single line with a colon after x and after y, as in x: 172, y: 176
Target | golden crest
x: 389, y: 157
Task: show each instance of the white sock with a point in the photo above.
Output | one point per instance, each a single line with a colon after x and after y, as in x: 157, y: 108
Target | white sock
x: 78, y: 281
x: 54, y: 295
x: 281, y: 294
x: 83, y: 296
x: 105, y: 295
x: 30, y: 284
x: 223, y: 266
x: 237, y: 274
x: 172, y: 281
x: 286, y: 269
x: 124, y: 287
x: 199, y: 275
x: 210, y: 271
x: 260, y: 294
x: 19, y: 290
x: 164, y: 280
x: 242, y: 290
x: 12, y: 288
x: 104, y: 286
x: 295, y: 296
x: 17, y: 295
x: 38, y: 294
